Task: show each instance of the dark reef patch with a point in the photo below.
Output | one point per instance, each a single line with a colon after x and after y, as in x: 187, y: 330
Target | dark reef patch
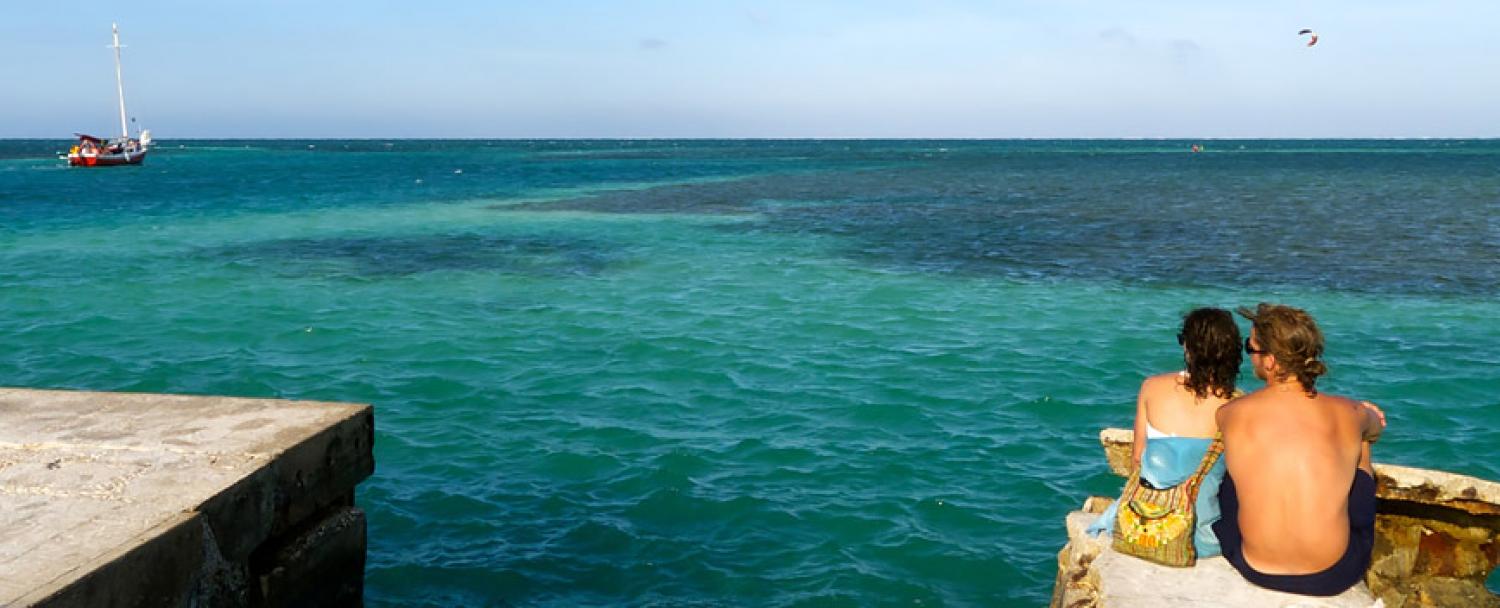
x: 1273, y: 220
x: 373, y: 257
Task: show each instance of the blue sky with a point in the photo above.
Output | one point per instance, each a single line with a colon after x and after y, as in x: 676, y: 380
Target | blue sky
x: 567, y: 68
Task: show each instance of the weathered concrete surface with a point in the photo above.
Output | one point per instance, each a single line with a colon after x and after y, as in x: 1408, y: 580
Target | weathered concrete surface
x: 1437, y: 534
x: 111, y: 499
x: 1090, y: 574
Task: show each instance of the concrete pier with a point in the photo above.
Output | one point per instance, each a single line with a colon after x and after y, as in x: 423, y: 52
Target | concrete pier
x: 113, y: 499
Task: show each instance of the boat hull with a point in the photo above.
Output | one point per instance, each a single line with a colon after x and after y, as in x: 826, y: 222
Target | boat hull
x: 106, y: 160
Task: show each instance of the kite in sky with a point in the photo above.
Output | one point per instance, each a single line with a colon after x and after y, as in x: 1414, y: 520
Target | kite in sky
x: 1311, y: 41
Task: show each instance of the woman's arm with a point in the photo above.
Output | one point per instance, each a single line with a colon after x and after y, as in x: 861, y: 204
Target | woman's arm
x: 1138, y: 447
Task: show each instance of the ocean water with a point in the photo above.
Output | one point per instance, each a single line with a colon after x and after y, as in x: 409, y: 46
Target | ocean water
x: 768, y: 373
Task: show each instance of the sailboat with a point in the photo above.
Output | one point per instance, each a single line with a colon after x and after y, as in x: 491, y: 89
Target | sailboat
x: 123, y: 150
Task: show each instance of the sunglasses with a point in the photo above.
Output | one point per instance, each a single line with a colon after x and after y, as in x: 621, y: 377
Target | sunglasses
x: 1250, y: 350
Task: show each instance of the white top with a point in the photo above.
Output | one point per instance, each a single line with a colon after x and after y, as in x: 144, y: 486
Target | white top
x: 1151, y: 431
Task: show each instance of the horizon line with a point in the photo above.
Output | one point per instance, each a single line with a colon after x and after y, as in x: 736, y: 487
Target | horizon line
x: 810, y: 138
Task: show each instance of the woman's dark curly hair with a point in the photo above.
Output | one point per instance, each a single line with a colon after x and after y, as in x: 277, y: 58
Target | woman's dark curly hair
x: 1211, y: 348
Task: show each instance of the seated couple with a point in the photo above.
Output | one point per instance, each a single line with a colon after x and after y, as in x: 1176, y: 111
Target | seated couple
x: 1291, y: 504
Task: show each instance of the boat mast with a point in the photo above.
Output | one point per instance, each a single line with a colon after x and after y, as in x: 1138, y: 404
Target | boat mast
x: 120, y: 83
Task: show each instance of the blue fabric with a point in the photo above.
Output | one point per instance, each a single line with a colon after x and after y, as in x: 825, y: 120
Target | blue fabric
x: 1169, y: 461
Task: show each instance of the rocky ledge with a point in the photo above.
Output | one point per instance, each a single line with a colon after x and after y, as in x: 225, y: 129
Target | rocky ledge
x: 1437, y: 538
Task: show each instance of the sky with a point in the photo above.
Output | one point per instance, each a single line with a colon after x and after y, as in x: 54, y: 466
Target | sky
x: 771, y: 68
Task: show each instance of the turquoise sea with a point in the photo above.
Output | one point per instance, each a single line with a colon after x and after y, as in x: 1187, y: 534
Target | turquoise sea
x: 745, y: 373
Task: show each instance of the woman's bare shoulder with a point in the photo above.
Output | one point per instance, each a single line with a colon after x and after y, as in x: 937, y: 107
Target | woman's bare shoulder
x: 1166, y: 380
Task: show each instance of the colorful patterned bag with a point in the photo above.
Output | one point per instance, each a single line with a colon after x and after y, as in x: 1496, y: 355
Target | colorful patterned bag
x: 1157, y: 524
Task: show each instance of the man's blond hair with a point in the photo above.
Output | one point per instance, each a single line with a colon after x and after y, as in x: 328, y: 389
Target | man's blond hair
x: 1292, y: 336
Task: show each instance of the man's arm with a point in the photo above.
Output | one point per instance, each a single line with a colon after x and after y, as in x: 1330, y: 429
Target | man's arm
x: 1365, y: 463
x: 1373, y: 423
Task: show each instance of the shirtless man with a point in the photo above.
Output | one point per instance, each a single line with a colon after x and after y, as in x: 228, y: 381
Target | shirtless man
x: 1299, y: 501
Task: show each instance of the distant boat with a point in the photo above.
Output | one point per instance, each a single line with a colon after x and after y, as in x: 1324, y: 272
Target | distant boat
x: 124, y: 150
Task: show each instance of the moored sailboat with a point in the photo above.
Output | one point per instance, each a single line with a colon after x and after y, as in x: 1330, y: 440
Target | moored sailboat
x: 124, y: 150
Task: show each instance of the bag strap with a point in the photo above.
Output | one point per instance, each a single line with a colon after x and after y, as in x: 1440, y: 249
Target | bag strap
x: 1210, y: 458
x: 1132, y: 482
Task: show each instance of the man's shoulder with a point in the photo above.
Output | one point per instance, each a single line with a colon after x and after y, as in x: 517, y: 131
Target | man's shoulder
x: 1244, y: 400
x: 1338, y: 399
x: 1344, y: 405
x: 1231, y: 409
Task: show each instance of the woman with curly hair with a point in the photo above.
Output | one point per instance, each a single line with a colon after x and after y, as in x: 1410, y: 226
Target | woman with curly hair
x: 1174, y: 417
x: 1183, y: 403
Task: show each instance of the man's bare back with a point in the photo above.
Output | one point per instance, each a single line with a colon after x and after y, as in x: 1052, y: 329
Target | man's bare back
x: 1298, y: 502
x: 1293, y: 458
